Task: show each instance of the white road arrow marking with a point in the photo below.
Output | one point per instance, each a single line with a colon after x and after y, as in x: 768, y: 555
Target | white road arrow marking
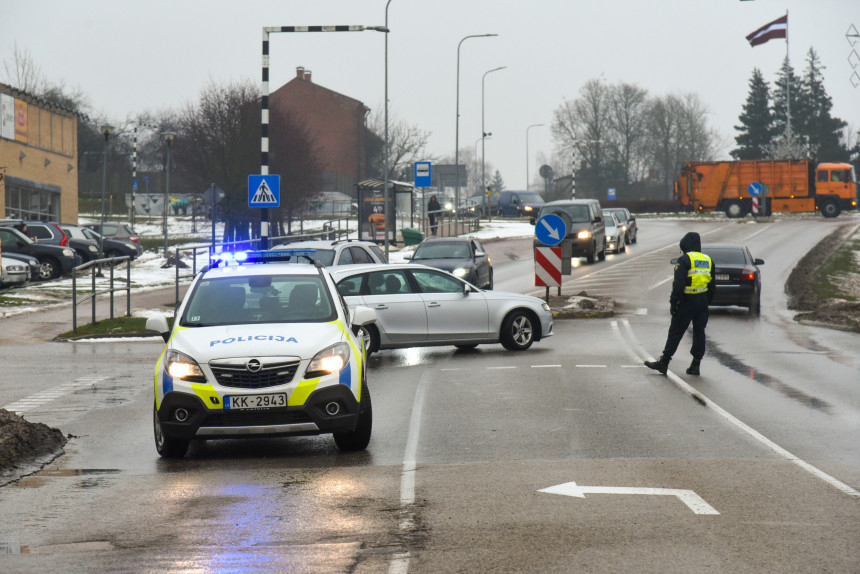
x: 553, y: 232
x: 695, y: 502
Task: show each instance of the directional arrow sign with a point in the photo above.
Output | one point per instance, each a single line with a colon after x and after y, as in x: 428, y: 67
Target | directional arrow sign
x: 550, y: 229
x: 695, y: 502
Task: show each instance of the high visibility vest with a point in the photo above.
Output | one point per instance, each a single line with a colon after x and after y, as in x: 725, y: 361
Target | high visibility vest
x: 699, y: 273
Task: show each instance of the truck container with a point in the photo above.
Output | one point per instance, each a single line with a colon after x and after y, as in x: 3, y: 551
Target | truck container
x: 792, y: 186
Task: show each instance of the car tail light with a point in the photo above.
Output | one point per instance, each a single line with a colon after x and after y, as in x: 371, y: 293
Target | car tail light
x: 748, y: 274
x: 65, y: 240
x: 134, y: 238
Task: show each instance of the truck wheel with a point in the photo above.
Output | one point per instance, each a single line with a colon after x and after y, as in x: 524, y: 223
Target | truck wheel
x: 359, y: 438
x: 830, y: 209
x: 735, y: 209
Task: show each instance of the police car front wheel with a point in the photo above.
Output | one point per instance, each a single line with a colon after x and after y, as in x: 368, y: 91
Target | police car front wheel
x: 166, y: 446
x: 359, y: 438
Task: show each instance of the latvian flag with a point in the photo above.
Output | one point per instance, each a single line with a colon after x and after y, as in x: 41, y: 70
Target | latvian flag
x: 776, y: 29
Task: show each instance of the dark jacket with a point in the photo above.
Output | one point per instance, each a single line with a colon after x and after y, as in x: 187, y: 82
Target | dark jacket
x: 433, y: 209
x: 690, y: 242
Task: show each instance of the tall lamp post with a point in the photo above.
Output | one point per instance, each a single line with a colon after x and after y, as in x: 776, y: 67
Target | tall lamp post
x: 484, y: 135
x: 527, y: 153
x: 107, y: 130
x: 168, y: 138
x: 457, y: 131
x: 386, y: 194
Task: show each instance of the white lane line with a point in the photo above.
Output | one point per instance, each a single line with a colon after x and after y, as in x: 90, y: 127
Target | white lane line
x: 400, y: 562
x: 591, y: 366
x: 39, y: 399
x: 498, y: 368
x: 452, y: 369
x: 546, y: 366
x: 833, y: 481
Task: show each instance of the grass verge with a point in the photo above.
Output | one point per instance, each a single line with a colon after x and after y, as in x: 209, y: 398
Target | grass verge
x: 115, y: 326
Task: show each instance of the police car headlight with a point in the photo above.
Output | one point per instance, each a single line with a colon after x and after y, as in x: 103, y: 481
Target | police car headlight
x: 583, y: 235
x: 181, y: 366
x: 461, y: 271
x: 329, y: 360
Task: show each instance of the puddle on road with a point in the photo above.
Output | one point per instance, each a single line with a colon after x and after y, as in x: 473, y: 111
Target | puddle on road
x: 788, y: 391
x: 95, y: 477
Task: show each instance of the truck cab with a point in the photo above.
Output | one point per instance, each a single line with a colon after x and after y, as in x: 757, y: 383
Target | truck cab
x: 835, y: 188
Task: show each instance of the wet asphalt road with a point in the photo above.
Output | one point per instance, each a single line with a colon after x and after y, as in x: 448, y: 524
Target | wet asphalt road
x: 765, y: 440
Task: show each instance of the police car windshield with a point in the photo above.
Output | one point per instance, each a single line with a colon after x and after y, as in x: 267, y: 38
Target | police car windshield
x: 242, y: 300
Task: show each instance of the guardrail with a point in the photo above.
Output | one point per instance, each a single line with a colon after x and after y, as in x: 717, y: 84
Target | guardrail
x: 96, y: 266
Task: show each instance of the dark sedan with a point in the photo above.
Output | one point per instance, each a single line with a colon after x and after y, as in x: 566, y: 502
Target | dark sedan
x: 55, y: 260
x: 463, y: 257
x: 736, y: 276
x: 112, y: 247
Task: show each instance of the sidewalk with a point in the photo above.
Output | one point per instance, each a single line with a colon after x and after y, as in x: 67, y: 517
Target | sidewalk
x: 46, y: 324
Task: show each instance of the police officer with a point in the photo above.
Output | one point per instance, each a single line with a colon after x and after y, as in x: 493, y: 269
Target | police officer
x: 692, y: 291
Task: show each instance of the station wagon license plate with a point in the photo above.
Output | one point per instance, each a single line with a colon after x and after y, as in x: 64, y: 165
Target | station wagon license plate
x: 722, y: 277
x: 245, y: 402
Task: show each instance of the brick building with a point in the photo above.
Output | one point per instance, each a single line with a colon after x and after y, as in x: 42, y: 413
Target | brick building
x: 38, y: 158
x: 338, y: 123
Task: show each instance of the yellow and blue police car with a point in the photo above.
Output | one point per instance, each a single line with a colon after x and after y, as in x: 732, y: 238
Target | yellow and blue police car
x: 261, y: 346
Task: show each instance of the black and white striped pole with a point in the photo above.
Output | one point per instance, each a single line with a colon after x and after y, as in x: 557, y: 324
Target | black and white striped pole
x: 134, y: 166
x: 264, y: 133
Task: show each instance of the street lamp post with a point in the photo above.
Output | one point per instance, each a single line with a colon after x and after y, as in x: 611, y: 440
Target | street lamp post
x: 485, y: 134
x: 107, y: 130
x: 457, y: 130
x: 168, y: 138
x: 527, y: 153
x: 386, y: 193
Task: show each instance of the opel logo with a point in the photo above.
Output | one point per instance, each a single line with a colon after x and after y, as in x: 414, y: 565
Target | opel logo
x: 254, y: 365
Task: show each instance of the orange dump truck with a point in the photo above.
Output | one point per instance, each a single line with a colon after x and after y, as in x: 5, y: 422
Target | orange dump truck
x: 790, y: 186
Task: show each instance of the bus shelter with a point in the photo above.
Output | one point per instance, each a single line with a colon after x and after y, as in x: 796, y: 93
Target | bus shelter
x: 371, y: 209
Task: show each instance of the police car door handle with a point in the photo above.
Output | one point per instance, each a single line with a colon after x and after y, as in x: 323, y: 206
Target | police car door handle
x: 381, y: 306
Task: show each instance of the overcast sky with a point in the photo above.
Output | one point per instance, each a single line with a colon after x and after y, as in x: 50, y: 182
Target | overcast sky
x: 132, y: 56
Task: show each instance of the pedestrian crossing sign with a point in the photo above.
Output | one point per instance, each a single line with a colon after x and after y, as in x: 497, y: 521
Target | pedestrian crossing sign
x: 264, y: 191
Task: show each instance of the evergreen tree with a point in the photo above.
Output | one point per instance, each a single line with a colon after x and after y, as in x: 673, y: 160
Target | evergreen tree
x: 757, y: 126
x: 821, y: 131
x: 498, y: 184
x: 786, y: 77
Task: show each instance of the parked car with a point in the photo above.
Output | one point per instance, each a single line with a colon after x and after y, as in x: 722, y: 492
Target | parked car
x: 116, y: 231
x: 340, y: 251
x: 112, y: 247
x: 463, y: 257
x: 586, y: 231
x: 55, y: 261
x: 14, y: 272
x: 419, y: 306
x: 87, y: 248
x: 625, y: 216
x: 615, y: 233
x: 31, y: 262
x: 44, y: 232
x: 475, y: 206
x: 736, y: 276
x: 519, y: 203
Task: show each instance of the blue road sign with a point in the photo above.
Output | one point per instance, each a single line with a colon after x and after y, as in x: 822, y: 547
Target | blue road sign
x: 422, y: 174
x: 550, y: 229
x: 610, y: 193
x: 134, y: 185
x: 754, y: 189
x: 264, y: 190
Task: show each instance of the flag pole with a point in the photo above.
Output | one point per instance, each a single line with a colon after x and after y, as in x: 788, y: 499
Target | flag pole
x: 787, y: 83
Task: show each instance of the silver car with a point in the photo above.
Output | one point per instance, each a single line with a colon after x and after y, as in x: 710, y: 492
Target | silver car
x: 418, y: 306
x: 14, y: 272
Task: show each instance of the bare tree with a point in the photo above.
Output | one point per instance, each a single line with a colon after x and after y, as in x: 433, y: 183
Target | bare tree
x: 24, y: 73
x: 407, y: 143
x: 628, y: 119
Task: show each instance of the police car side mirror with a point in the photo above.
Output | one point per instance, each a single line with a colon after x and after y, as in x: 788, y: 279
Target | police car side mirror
x: 158, y: 323
x: 362, y: 315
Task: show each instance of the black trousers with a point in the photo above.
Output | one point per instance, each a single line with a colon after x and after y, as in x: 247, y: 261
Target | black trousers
x: 693, y: 309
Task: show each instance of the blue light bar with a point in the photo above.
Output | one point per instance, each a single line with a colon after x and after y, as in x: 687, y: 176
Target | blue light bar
x: 275, y: 256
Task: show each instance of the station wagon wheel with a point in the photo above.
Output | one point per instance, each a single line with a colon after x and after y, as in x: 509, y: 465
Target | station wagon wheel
x: 166, y: 446
x: 359, y: 438
x: 50, y: 268
x: 518, y: 331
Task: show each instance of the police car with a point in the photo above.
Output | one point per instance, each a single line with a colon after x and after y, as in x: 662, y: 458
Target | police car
x: 261, y: 347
